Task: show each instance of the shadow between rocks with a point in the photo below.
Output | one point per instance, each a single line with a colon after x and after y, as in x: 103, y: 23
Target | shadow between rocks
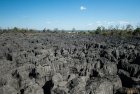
x: 47, y: 87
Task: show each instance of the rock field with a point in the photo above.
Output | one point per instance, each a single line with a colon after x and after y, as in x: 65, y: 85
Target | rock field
x: 68, y: 63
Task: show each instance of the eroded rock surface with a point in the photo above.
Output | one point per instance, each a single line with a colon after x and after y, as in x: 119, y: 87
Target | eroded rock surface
x: 68, y: 63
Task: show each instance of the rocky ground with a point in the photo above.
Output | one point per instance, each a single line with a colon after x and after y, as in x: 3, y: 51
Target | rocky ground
x: 68, y: 63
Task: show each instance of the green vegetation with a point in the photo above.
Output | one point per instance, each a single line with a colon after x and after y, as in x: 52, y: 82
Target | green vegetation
x: 128, y: 30
x: 137, y: 31
x: 125, y: 31
x: 17, y: 30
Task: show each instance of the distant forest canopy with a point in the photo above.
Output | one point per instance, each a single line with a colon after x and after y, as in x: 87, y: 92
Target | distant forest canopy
x: 127, y: 30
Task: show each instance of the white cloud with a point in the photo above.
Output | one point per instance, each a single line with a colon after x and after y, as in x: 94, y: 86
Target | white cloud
x: 124, y: 22
x: 99, y: 23
x: 82, y: 8
x: 90, y: 24
x: 111, y: 23
x: 108, y: 23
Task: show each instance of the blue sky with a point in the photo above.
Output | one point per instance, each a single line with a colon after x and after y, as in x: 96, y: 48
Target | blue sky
x: 68, y: 14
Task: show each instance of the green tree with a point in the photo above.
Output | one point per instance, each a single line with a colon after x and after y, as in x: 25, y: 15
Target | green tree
x: 73, y: 29
x: 136, y: 31
x: 48, y: 30
x: 44, y: 30
x: 98, y: 30
x: 55, y: 30
x: 129, y: 28
x: 15, y: 29
x: 0, y: 29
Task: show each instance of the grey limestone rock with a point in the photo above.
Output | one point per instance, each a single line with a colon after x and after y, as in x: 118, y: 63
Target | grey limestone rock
x: 67, y: 63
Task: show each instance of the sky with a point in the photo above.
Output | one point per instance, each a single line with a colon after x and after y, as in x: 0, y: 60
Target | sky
x: 68, y: 14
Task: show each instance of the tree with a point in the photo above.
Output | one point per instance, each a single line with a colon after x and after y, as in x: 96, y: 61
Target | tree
x: 15, y: 29
x: 136, y: 31
x: 117, y: 27
x: 55, y: 29
x: 0, y: 29
x: 48, y: 30
x: 98, y: 30
x: 73, y: 29
x: 129, y: 28
x: 44, y: 30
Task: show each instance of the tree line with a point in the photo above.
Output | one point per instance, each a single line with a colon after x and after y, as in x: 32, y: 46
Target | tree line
x: 127, y: 30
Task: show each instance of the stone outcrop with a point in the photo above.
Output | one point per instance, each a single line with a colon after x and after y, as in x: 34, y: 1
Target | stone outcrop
x: 68, y: 63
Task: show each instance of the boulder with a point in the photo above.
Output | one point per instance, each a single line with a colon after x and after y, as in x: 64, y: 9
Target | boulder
x: 99, y: 86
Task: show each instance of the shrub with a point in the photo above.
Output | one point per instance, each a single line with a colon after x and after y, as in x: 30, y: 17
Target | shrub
x: 136, y: 31
x: 98, y: 30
